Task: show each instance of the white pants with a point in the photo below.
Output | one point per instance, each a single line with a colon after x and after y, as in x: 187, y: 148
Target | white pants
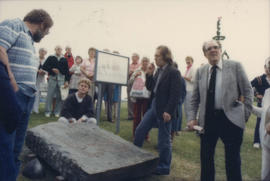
x: 187, y: 102
x: 265, y: 175
x: 37, y: 101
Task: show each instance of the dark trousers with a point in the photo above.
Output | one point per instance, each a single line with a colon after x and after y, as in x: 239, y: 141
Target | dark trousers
x: 257, y: 128
x: 10, y: 114
x: 139, y: 109
x: 107, y: 89
x: 217, y: 126
x: 130, y: 104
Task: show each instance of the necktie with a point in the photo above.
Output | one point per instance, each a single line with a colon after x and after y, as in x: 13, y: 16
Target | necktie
x: 157, y: 73
x: 157, y: 78
x: 211, y: 90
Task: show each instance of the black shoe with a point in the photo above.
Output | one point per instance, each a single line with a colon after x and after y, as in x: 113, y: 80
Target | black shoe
x: 130, y: 118
x: 159, y: 172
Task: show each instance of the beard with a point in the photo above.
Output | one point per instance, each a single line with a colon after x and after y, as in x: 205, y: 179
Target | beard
x: 38, y: 35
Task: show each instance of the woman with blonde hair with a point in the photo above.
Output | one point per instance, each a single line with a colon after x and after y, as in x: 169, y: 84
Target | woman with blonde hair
x: 140, y: 104
x: 88, y: 69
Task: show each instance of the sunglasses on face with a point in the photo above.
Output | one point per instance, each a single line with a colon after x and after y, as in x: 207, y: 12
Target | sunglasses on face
x: 212, y: 47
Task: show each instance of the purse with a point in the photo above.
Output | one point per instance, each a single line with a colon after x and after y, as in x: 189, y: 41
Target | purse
x: 139, y: 89
x: 64, y: 92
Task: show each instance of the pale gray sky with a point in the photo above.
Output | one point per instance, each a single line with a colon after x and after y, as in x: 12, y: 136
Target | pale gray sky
x: 140, y: 26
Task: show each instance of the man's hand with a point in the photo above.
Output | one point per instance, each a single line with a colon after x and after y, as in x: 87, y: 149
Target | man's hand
x: 14, y: 85
x: 66, y: 85
x: 90, y: 76
x: 71, y: 121
x: 130, y: 73
x: 82, y: 68
x: 138, y: 74
x: 166, y: 117
x: 192, y: 123
x: 242, y: 99
x: 267, y: 127
x: 4, y: 56
x: 258, y: 96
x: 55, y: 70
x: 41, y: 72
x: 188, y: 79
x: 5, y: 61
x: 150, y: 69
x: 80, y: 120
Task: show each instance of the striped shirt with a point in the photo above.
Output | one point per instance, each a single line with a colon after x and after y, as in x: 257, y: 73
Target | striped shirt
x: 16, y: 38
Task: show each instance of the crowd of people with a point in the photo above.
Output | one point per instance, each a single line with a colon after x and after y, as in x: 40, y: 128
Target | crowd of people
x: 217, y: 97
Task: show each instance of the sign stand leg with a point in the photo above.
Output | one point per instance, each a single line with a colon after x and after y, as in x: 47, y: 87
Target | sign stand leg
x: 118, y: 112
x: 99, y: 102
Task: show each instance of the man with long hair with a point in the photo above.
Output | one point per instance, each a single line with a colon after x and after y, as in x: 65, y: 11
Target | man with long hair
x: 166, y: 89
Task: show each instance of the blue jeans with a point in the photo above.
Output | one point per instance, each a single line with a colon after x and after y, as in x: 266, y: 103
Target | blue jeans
x: 177, y: 122
x: 7, y: 164
x: 151, y: 119
x: 10, y: 113
x: 26, y: 104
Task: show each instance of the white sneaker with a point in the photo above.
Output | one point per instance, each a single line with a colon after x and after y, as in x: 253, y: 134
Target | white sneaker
x: 47, y: 115
x: 57, y: 115
x: 92, y: 120
x: 256, y: 145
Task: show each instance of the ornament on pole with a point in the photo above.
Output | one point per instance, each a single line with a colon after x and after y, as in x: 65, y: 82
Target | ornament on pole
x: 219, y: 38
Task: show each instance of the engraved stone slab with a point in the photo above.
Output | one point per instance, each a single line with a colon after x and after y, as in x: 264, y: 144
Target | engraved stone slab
x: 86, y: 152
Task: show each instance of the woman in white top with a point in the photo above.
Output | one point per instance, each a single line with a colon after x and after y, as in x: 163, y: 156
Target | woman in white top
x: 264, y: 113
x: 76, y: 75
x: 189, y: 77
x: 140, y: 103
x: 40, y: 79
x: 88, y: 69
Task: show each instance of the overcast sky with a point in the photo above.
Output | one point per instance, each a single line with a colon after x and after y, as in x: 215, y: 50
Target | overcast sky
x: 140, y: 26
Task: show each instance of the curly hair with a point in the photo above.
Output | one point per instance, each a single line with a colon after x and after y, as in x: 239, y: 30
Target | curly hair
x: 86, y: 81
x: 39, y: 16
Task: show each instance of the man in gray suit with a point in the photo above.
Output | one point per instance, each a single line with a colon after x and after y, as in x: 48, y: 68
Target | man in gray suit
x: 223, y: 95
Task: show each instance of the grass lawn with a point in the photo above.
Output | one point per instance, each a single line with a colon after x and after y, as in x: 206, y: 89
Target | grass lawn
x: 186, y: 159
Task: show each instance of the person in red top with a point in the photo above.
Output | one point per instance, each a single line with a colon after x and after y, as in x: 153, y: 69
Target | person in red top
x: 68, y: 55
x: 132, y: 67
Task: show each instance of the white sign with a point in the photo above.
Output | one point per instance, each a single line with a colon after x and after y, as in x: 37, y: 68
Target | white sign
x: 111, y: 68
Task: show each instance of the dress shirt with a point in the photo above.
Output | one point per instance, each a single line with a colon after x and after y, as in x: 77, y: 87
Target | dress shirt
x: 218, y: 88
x: 160, y: 72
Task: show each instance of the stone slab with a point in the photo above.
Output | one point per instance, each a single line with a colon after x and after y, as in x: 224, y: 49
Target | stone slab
x: 82, y: 152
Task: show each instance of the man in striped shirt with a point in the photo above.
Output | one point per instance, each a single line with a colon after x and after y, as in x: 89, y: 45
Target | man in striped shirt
x: 17, y: 53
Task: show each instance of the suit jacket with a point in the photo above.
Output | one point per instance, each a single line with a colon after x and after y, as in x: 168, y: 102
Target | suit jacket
x: 234, y: 84
x: 62, y: 65
x: 168, y: 91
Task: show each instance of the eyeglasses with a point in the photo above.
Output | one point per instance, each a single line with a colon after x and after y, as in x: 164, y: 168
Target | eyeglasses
x: 157, y: 55
x: 213, y: 47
